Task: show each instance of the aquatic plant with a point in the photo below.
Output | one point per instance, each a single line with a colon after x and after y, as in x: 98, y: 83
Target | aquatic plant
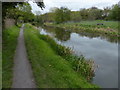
x: 85, y: 67
x: 80, y: 64
x: 49, y: 68
x: 103, y: 29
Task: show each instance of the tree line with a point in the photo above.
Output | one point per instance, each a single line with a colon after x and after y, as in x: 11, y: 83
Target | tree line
x: 63, y: 14
x: 21, y: 12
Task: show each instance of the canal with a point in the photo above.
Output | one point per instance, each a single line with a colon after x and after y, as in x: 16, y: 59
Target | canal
x: 101, y: 48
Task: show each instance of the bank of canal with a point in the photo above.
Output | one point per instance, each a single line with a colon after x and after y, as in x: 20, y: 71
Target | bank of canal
x: 102, y: 49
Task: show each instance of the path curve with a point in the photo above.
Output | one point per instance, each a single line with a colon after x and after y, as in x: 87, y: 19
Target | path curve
x: 23, y: 77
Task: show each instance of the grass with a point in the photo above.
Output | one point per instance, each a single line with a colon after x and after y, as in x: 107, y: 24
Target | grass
x: 19, y: 25
x: 109, y: 28
x: 9, y: 40
x: 50, y: 69
x: 83, y: 67
x: 111, y: 24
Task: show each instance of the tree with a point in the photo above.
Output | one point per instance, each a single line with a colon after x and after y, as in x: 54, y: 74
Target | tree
x: 115, y: 13
x: 106, y: 12
x: 38, y: 20
x: 58, y: 16
x: 84, y: 14
x: 96, y: 13
x: 92, y: 13
x: 8, y: 7
x: 25, y: 7
x: 23, y: 11
x: 48, y: 17
x: 62, y: 15
x: 75, y: 16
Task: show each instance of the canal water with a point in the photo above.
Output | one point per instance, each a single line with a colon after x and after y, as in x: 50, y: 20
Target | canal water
x: 101, y: 48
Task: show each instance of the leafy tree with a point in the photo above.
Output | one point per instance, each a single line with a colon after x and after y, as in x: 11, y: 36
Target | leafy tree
x: 92, y: 13
x: 75, y: 16
x: 48, y: 17
x: 38, y: 20
x: 115, y: 13
x: 59, y: 16
x: 84, y: 14
x: 21, y: 11
x: 8, y: 8
x: 106, y: 12
x: 62, y: 15
x: 28, y: 17
x: 95, y: 13
x: 25, y: 7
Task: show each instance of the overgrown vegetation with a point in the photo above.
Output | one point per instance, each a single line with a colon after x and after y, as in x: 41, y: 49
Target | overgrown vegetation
x: 19, y: 11
x: 95, y: 20
x: 108, y: 28
x: 9, y: 42
x: 106, y: 24
x: 50, y: 68
x: 63, y: 14
x: 79, y: 64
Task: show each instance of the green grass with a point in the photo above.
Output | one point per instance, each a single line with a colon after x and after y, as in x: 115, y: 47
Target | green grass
x: 82, y: 66
x: 19, y: 25
x: 111, y: 24
x: 106, y: 24
x: 50, y: 69
x: 109, y: 28
x: 9, y: 40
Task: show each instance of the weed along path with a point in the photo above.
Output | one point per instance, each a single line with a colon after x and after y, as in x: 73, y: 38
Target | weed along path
x: 23, y: 77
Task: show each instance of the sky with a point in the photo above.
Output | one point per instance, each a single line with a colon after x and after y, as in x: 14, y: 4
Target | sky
x: 73, y: 5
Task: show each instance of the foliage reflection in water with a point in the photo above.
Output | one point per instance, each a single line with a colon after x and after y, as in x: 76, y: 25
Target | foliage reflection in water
x: 101, y: 48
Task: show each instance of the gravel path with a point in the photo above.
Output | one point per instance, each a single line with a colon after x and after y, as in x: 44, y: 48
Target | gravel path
x: 23, y: 77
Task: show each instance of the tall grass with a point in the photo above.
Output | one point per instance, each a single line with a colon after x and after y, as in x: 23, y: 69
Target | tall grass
x: 9, y: 42
x: 90, y: 26
x: 50, y: 69
x: 111, y: 24
x: 84, y: 67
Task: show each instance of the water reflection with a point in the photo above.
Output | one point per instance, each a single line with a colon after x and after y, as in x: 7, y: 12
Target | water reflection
x: 102, y: 36
x: 102, y: 49
x: 64, y: 35
x: 60, y: 34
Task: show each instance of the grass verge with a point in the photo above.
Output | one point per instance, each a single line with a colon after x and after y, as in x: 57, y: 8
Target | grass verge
x: 106, y: 24
x: 50, y: 69
x: 9, y: 39
x: 109, y: 27
x: 83, y: 67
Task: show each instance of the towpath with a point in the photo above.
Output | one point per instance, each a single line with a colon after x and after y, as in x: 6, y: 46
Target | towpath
x: 23, y: 77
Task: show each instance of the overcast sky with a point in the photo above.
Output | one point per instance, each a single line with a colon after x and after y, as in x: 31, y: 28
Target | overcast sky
x: 73, y: 5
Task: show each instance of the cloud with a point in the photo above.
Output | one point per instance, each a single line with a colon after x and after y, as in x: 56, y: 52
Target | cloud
x: 74, y: 4
x: 34, y: 7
